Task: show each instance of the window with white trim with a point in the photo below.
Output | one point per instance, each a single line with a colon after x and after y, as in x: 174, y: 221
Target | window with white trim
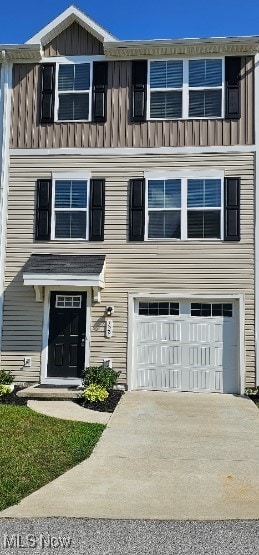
x: 184, y: 208
x: 73, y: 95
x: 70, y: 209
x: 180, y: 89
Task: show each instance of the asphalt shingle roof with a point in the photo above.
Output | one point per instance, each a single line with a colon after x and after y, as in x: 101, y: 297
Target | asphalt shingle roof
x: 64, y: 264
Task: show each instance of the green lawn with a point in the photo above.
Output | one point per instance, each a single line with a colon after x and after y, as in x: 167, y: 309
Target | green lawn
x: 35, y: 449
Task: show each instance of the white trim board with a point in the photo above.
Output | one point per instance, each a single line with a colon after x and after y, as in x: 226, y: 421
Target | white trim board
x: 113, y: 151
x: 75, y: 280
x: 182, y: 296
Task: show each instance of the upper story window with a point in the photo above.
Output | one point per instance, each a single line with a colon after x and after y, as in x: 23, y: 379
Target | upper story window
x: 182, y: 89
x: 184, y: 209
x: 73, y: 95
x: 70, y: 209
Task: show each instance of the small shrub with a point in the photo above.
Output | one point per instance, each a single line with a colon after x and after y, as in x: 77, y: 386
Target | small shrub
x: 105, y: 377
x: 94, y: 393
x: 6, y: 377
x: 4, y: 389
x: 252, y: 391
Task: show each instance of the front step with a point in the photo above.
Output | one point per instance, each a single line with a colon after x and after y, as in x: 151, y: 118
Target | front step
x: 57, y: 393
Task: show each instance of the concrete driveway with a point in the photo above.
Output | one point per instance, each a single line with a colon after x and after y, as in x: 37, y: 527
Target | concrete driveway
x: 163, y: 456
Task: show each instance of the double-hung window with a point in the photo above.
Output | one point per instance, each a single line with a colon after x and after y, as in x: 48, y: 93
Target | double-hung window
x: 166, y: 84
x: 205, y: 88
x: 164, y: 209
x: 204, y: 208
x: 184, y: 208
x: 182, y: 89
x: 73, y: 95
x: 70, y: 209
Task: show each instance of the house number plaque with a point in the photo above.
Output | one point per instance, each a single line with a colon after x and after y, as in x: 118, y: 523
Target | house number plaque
x: 108, y: 327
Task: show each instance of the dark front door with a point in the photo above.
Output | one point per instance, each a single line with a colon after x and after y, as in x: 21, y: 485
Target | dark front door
x: 67, y: 324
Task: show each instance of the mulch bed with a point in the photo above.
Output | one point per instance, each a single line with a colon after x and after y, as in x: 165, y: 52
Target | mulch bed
x: 12, y: 399
x: 254, y: 398
x: 109, y: 405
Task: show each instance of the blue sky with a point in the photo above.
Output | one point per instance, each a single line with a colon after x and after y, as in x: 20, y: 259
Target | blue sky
x: 136, y: 19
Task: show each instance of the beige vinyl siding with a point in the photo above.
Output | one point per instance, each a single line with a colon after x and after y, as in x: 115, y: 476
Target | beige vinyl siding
x: 73, y: 41
x: 204, y: 267
x: 119, y: 131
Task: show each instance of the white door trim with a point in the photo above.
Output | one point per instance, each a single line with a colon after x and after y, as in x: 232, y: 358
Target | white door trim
x: 145, y: 295
x: 45, y: 335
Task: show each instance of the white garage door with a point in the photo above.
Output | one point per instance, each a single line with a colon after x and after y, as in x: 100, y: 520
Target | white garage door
x: 186, y: 346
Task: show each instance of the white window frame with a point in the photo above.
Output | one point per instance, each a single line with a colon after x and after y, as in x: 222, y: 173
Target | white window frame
x: 69, y: 177
x: 186, y: 88
x: 184, y: 208
x: 75, y: 61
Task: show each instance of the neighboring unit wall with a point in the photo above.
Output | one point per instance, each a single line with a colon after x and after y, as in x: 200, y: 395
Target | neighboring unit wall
x: 119, y: 131
x: 206, y: 267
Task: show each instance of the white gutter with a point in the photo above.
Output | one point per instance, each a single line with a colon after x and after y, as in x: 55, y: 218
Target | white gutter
x: 5, y: 115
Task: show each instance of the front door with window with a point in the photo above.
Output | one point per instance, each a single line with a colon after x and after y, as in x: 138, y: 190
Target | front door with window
x: 67, y: 326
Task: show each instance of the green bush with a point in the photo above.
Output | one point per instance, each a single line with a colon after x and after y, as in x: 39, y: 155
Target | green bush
x: 94, y: 393
x: 105, y: 377
x: 6, y: 377
x: 252, y: 391
x: 4, y: 389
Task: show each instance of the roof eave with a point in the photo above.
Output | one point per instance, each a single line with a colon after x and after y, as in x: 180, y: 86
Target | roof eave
x: 13, y: 52
x: 184, y: 47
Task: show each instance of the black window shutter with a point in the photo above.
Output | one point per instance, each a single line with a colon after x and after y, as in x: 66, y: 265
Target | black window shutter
x: 137, y: 210
x: 96, y: 216
x: 139, y: 90
x: 43, y: 210
x: 100, y: 80
x: 47, y: 93
x: 232, y: 78
x: 232, y: 209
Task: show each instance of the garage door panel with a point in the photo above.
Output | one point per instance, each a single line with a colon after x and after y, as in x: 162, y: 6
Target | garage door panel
x: 147, y: 331
x: 199, y: 356
x: 171, y: 331
x: 198, y: 332
x: 147, y: 353
x: 171, y: 354
x: 159, y: 378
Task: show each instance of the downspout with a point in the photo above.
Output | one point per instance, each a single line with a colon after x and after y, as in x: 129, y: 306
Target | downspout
x: 256, y: 103
x: 5, y: 117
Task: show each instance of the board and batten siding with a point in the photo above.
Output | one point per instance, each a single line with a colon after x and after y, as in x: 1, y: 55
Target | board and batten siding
x: 119, y: 131
x: 204, y: 267
x: 73, y: 41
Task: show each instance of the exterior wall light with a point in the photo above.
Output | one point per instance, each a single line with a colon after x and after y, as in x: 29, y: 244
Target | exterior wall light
x: 109, y: 311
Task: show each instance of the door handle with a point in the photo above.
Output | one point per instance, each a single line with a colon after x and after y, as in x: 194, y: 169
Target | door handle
x: 83, y: 342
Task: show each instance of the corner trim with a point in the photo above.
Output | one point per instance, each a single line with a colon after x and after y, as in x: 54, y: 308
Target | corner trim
x: 5, y: 117
x: 256, y: 85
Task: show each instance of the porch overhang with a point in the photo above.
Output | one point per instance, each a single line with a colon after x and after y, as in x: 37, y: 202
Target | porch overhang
x: 77, y: 271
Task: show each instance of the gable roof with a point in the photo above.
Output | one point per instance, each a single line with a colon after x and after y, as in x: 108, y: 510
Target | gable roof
x: 64, y: 20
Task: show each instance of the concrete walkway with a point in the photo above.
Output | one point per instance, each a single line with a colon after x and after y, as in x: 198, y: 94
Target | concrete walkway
x: 163, y: 456
x: 67, y: 410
